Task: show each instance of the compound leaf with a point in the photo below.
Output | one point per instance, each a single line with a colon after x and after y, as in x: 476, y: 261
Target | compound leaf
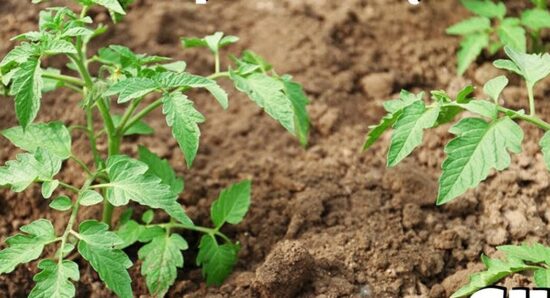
x: 478, y: 147
x: 27, y: 87
x: 232, y: 204
x: 394, y: 108
x: 161, y: 259
x: 536, y: 253
x: 409, y: 130
x: 483, y: 108
x: 53, y: 136
x: 536, y: 19
x: 494, y: 87
x: 533, y: 67
x: 183, y: 118
x: 160, y: 168
x: 469, y: 26
x: 217, y: 261
x: 496, y: 270
x: 54, y: 281
x: 112, y: 5
x: 23, y: 248
x: 170, y: 80
x: 268, y: 93
x: 27, y: 168
x: 486, y: 8
x: 470, y: 48
x: 111, y: 265
x: 131, y: 88
x: 512, y: 35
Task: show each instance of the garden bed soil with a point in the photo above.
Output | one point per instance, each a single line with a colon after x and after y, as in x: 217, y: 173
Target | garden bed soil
x: 330, y: 220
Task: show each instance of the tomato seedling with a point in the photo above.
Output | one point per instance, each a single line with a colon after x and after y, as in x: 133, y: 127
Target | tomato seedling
x: 483, y: 142
x: 115, y: 179
x: 491, y: 29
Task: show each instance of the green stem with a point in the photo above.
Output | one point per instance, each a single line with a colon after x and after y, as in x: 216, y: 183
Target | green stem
x: 204, y: 230
x: 92, y: 139
x: 72, y: 219
x: 82, y: 70
x: 82, y: 165
x: 107, y: 119
x: 108, y: 208
x: 532, y: 111
x: 63, y: 78
x: 217, y: 75
x: 217, y: 62
x: 129, y: 112
x: 69, y: 187
x: 148, y: 109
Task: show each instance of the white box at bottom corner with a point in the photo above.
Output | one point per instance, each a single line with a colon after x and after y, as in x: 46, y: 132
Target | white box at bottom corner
x: 201, y: 1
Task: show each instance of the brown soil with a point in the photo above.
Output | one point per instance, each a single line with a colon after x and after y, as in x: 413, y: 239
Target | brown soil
x: 328, y: 221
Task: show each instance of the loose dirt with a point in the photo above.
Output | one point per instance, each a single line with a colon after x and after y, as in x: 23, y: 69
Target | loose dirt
x: 330, y: 220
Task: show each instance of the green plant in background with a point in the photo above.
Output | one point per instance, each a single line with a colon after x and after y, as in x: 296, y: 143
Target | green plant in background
x: 483, y: 142
x: 535, y: 258
x: 115, y: 180
x: 490, y: 29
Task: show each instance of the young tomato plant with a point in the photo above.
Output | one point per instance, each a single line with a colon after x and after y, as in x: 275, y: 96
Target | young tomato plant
x: 483, y: 142
x: 491, y: 29
x: 114, y: 179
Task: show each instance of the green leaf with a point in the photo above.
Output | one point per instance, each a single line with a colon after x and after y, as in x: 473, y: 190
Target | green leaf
x: 112, y: 5
x: 217, y: 261
x: 213, y: 41
x: 140, y: 128
x: 58, y: 46
x: 193, y: 42
x: 148, y: 217
x: 496, y: 270
x: 469, y: 26
x: 27, y: 168
x: 111, y: 265
x: 23, y: 248
x: 77, y: 31
x: 168, y: 80
x: 62, y: 203
x: 19, y: 54
x: 160, y: 168
x: 409, y: 130
x: 54, y: 281
x: 494, y: 87
x: 535, y: 253
x: 130, y: 180
x: 129, y: 233
x: 512, y: 35
x: 161, y: 260
x: 545, y: 148
x: 53, y: 136
x: 536, y: 19
x: 533, y: 67
x: 51, y: 84
x: 97, y: 234
x: 470, y: 48
x: 299, y: 100
x: 268, y: 93
x: 394, y: 108
x: 542, y: 278
x: 27, y: 87
x: 131, y: 88
x: 90, y: 197
x: 483, y: 108
x: 183, y: 118
x: 232, y: 204
x: 48, y: 187
x: 486, y: 8
x: 478, y: 147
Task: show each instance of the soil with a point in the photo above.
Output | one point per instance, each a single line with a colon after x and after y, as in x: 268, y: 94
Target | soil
x: 330, y: 220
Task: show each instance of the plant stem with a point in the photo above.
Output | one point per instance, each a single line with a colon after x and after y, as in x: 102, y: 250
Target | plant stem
x: 148, y: 109
x: 223, y: 74
x: 108, y: 208
x: 81, y: 164
x: 72, y: 219
x: 69, y: 187
x: 129, y: 112
x: 205, y: 230
x: 532, y: 111
x: 107, y: 119
x: 64, y: 78
x: 92, y: 139
x: 217, y: 62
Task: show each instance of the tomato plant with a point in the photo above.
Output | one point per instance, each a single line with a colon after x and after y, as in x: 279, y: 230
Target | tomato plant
x: 116, y: 180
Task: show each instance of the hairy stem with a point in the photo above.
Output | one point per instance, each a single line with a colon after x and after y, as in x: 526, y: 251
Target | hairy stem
x: 218, y: 74
x: 72, y: 218
x: 63, y: 78
x: 108, y: 208
x: 205, y: 230
x: 148, y: 109
x: 532, y: 111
